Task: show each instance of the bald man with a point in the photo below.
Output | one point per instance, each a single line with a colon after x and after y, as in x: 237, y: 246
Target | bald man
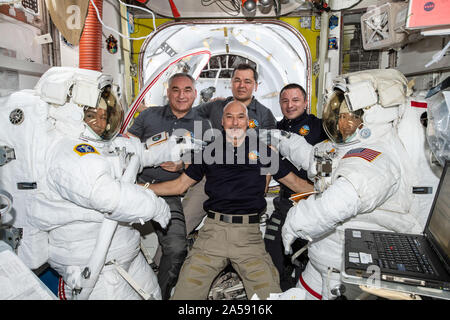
x: 235, y: 169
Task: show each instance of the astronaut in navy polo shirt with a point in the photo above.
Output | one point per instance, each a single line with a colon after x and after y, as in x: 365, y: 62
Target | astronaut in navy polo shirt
x: 293, y: 105
x: 235, y: 169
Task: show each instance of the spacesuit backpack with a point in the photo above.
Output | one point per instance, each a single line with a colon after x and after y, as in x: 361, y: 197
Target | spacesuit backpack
x: 23, y: 141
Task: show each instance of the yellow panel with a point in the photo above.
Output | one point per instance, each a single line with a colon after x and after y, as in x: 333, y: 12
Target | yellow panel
x: 142, y: 27
x: 311, y: 36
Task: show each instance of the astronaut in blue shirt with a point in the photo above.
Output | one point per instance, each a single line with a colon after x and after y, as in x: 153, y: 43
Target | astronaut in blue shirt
x: 293, y: 105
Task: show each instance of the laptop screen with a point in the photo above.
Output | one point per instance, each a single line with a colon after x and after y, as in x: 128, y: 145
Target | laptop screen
x: 438, y: 226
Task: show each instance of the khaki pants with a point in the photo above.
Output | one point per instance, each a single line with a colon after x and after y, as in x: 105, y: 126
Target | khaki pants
x: 218, y: 244
x: 193, y: 205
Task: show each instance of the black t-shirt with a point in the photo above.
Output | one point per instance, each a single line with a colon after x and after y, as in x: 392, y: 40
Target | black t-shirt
x: 236, y: 176
x: 308, y: 126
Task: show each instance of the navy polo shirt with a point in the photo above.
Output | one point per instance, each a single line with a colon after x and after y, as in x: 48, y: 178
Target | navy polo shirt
x: 260, y: 117
x: 154, y: 120
x: 237, y: 187
x: 308, y: 126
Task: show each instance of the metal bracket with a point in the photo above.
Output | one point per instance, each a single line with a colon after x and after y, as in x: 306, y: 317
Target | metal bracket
x: 6, y: 155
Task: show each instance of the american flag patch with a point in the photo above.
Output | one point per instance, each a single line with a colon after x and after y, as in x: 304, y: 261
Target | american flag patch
x: 366, y: 154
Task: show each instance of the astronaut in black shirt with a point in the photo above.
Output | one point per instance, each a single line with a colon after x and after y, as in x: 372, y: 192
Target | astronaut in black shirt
x: 235, y: 172
x: 293, y: 106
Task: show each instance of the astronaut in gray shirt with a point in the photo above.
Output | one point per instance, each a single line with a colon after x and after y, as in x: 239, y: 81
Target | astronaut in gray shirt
x: 244, y: 82
x: 178, y: 118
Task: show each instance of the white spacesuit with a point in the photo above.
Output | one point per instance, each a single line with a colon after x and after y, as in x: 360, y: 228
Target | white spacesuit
x: 363, y: 175
x: 83, y: 175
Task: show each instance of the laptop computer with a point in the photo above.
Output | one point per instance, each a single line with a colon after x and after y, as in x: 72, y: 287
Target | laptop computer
x: 413, y: 259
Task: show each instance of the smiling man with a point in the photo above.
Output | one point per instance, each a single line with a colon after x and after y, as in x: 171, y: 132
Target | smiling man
x: 176, y: 116
x: 235, y: 187
x: 293, y: 105
x: 244, y: 83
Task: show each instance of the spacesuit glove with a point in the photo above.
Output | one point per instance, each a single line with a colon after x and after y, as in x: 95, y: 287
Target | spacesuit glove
x: 289, y: 232
x: 273, y: 137
x: 170, y: 149
x: 162, y: 212
x: 312, y: 167
x: 290, y: 145
x: 130, y: 143
x: 124, y: 146
x: 288, y: 240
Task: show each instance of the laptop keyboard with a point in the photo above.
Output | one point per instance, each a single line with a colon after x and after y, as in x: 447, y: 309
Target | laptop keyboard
x: 400, y: 252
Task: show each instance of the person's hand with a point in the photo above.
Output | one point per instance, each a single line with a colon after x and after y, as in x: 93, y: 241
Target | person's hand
x: 217, y: 99
x: 162, y: 212
x: 187, y: 143
x: 141, y: 107
x: 172, y: 166
x: 273, y: 137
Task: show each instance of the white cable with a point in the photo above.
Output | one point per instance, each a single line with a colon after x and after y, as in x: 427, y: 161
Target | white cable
x: 438, y: 56
x: 125, y: 275
x: 328, y: 280
x: 143, y: 9
x: 299, y: 252
x: 117, y: 32
x: 145, y: 253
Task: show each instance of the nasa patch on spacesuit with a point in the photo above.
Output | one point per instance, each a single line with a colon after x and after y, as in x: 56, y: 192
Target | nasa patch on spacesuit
x: 83, y: 149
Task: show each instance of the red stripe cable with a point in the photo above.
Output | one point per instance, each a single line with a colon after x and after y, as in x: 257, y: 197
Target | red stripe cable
x: 175, y: 12
x: 311, y: 291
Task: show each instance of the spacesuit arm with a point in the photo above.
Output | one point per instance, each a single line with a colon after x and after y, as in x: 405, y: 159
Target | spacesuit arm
x: 297, y: 150
x: 361, y: 186
x: 169, y: 149
x: 315, y: 216
x: 86, y: 181
x: 137, y: 204
x: 290, y: 145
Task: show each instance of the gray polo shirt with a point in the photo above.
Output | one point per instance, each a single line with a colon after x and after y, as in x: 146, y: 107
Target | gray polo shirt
x: 154, y: 120
x: 260, y: 117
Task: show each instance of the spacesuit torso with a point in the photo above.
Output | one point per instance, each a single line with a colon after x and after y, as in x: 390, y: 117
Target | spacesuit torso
x: 75, y: 182
x: 374, y: 170
x: 364, y: 177
x: 73, y: 167
x: 80, y: 190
